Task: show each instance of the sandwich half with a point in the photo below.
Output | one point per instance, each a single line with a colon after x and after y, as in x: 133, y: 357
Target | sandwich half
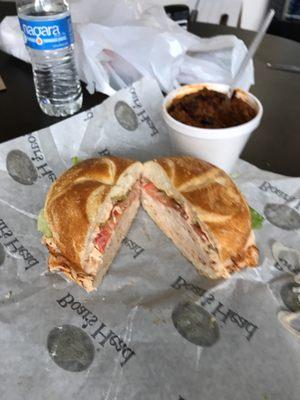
x: 202, y: 211
x: 88, y: 211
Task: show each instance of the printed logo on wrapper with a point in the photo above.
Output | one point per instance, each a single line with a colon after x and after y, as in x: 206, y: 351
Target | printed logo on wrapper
x: 195, y: 324
x: 290, y: 294
x: 286, y: 258
x: 282, y: 216
x: 102, y: 335
x: 21, y: 168
x: 26, y: 171
x: 47, y: 35
x: 215, y: 309
x: 70, y: 348
x: 126, y: 116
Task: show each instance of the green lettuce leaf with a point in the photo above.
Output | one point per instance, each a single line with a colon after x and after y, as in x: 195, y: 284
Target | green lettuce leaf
x: 76, y: 160
x: 257, y: 219
x: 42, y: 224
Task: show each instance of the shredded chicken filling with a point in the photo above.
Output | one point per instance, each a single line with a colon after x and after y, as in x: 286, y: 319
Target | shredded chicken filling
x: 167, y: 201
x: 105, y: 231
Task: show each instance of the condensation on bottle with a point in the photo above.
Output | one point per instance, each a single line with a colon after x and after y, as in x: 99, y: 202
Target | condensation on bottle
x: 48, y: 35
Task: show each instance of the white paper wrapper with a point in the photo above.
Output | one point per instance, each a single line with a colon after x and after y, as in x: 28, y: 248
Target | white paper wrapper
x: 155, y: 329
x: 118, y: 42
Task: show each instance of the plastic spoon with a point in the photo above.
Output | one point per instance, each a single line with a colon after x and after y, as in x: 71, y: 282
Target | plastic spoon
x: 194, y: 12
x: 252, y: 50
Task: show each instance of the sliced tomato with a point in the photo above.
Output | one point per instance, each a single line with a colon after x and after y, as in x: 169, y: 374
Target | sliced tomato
x: 107, y: 230
x: 159, y: 195
x: 103, y: 238
x: 150, y: 189
x: 105, y: 233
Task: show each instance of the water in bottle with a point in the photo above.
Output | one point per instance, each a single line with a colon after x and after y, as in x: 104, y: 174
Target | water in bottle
x: 47, y: 29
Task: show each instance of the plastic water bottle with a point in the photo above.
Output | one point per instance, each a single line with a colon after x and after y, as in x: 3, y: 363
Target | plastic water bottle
x: 47, y: 29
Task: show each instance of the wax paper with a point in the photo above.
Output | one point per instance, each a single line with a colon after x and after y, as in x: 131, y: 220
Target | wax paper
x: 155, y: 328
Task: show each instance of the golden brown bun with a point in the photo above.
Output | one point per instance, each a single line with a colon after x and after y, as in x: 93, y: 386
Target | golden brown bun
x: 77, y: 202
x: 214, y: 201
x: 82, y: 199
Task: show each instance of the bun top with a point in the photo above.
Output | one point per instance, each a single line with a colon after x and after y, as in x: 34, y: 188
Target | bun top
x: 215, y: 201
x: 81, y: 198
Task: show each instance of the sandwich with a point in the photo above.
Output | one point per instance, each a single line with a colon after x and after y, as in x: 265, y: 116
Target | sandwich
x: 202, y: 211
x: 90, y: 208
x: 88, y: 212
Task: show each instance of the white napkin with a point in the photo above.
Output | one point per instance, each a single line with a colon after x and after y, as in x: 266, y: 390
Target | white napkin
x: 119, y: 42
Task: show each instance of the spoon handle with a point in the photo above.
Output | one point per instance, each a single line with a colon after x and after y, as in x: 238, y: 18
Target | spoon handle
x: 284, y: 67
x: 252, y: 49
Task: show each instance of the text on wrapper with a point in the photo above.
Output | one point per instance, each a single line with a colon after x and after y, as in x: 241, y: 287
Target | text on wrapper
x: 218, y: 309
x: 14, y: 246
x: 102, y: 334
x: 39, y: 159
x: 141, y: 113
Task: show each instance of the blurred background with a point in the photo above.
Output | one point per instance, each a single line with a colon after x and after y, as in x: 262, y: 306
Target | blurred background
x: 246, y: 14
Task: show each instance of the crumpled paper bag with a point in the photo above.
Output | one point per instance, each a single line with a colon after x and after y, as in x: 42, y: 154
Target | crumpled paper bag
x: 120, y: 42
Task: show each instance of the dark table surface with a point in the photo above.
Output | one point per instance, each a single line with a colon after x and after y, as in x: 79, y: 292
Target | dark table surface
x: 274, y: 146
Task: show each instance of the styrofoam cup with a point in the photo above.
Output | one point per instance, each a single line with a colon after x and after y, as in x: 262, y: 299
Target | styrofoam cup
x: 221, y: 147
